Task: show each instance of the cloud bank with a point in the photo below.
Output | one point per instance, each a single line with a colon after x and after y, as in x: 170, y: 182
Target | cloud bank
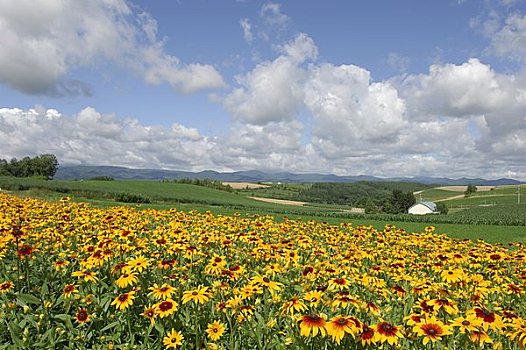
x: 42, y: 44
x: 295, y: 114
x: 292, y: 112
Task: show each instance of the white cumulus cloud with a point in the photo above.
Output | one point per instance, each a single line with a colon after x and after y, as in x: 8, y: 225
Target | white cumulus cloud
x: 272, y: 91
x: 42, y: 41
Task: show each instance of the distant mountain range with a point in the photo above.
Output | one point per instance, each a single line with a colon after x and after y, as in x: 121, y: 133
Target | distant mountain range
x: 86, y: 172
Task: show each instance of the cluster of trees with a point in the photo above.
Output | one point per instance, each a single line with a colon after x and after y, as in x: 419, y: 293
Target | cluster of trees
x: 470, y: 190
x: 375, y: 197
x: 218, y: 185
x: 44, y: 165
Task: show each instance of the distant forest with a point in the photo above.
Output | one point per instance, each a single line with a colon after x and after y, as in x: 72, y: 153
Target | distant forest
x: 388, y: 197
x: 44, y: 165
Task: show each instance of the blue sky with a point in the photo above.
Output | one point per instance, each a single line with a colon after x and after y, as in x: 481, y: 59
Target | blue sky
x: 385, y: 88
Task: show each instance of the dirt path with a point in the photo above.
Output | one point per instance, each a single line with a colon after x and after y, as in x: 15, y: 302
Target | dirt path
x: 243, y: 185
x: 462, y: 196
x: 449, y: 198
x: 279, y: 201
x: 464, y: 188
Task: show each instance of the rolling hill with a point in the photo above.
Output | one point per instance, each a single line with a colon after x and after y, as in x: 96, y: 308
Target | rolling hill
x: 86, y: 172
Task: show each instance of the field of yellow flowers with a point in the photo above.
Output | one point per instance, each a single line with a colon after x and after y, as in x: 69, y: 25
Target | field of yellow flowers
x: 77, y: 277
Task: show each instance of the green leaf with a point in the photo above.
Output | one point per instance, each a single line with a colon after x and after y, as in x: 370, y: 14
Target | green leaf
x: 67, y: 321
x: 44, y: 291
x: 28, y: 299
x: 14, y: 330
x: 110, y: 326
x: 159, y: 328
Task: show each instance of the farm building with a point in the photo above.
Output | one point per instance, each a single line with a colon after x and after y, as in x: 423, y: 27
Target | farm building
x: 423, y: 208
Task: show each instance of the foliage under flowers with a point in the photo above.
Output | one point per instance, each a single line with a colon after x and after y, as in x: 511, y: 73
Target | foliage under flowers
x: 74, y: 276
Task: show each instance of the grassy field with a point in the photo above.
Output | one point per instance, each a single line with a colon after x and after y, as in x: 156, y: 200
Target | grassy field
x: 434, y: 194
x: 501, y: 195
x: 165, y: 195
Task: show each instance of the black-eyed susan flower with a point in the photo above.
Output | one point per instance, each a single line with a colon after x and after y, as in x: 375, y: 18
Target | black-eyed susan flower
x: 88, y: 276
x: 431, y: 330
x: 264, y: 281
x: 312, y: 324
x: 489, y: 319
x: 82, y: 316
x: 340, y: 325
x: 413, y: 319
x: 452, y: 275
x: 344, y: 299
x: 480, y: 337
x: 446, y: 304
x: 518, y: 331
x: 150, y: 313
x: 367, y: 335
x: 124, y: 300
x: 293, y: 305
x: 163, y: 292
x: 313, y: 297
x: 25, y: 251
x: 173, y: 339
x: 199, y: 296
x: 126, y: 279
x: 338, y: 283
x: 386, y: 332
x: 215, y: 330
x: 68, y: 290
x: 6, y: 286
x: 138, y: 264
x: 60, y: 264
x: 166, y: 307
x: 467, y: 323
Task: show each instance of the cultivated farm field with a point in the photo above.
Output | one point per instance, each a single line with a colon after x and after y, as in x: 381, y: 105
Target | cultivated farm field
x: 74, y: 276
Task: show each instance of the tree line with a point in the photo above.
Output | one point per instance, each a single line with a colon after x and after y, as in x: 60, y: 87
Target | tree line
x: 375, y: 197
x: 44, y: 165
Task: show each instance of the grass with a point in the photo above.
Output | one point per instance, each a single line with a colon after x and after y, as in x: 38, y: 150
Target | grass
x: 434, y: 194
x: 190, y: 197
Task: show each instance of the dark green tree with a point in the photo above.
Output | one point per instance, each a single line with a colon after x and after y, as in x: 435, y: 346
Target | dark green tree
x: 47, y: 165
x: 470, y: 190
x: 370, y: 207
x: 44, y: 165
x: 399, y: 202
x: 442, y: 208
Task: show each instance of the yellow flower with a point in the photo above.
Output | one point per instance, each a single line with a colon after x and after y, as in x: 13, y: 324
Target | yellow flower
x: 313, y: 297
x: 312, y: 323
x: 163, y: 292
x: 173, y: 339
x: 293, y: 305
x: 264, y: 281
x: 150, y: 313
x: 198, y: 296
x: 138, y: 264
x: 124, y: 300
x: 215, y: 330
x: 338, y: 326
x: 442, y: 303
x: 82, y: 316
x: 480, y: 337
x: 88, y: 276
x: 386, y: 332
x: 166, y: 307
x: 452, y: 275
x: 467, y: 324
x: 126, y: 279
x: 68, y: 290
x: 432, y: 330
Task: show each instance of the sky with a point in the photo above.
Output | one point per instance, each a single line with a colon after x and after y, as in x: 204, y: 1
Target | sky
x: 364, y: 87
